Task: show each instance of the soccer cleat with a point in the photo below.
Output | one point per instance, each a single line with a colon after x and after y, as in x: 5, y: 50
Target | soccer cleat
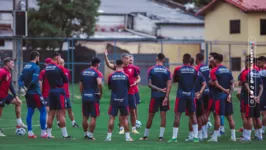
x: 209, y: 125
x: 189, y: 140
x: 161, y: 139
x: 212, y: 140
x: 1, y: 133
x: 259, y: 139
x: 245, y: 140
x: 172, y: 140
x: 195, y: 140
x: 221, y: 133
x: 129, y: 140
x: 22, y: 125
x: 144, y: 138
x: 51, y: 137
x: 122, y: 131
x: 32, y: 137
x: 233, y: 139
x: 69, y: 138
x: 89, y: 138
x: 44, y: 136
x: 75, y: 125
x: 240, y: 130
x: 135, y: 132
x: 108, y: 140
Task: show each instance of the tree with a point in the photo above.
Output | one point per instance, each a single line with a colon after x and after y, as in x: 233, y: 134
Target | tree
x: 61, y: 18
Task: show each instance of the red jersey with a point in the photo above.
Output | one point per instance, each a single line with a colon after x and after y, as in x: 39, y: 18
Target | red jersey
x: 136, y: 88
x: 5, y: 81
x: 66, y: 85
x: 132, y: 73
x: 45, y: 84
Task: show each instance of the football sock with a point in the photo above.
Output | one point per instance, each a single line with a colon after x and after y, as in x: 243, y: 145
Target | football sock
x: 49, y: 132
x: 109, y: 135
x: 195, y: 130
x: 233, y: 133
x: 19, y: 121
x: 42, y: 117
x: 127, y: 135
x: 64, y: 132
x: 29, y: 118
x: 146, y: 132
x: 175, y: 133
x: 162, y: 129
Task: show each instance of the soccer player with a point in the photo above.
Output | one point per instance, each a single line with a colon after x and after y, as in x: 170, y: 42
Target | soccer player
x: 68, y: 103
x: 185, y: 76
x: 5, y: 86
x: 205, y: 71
x: 90, y: 84
x: 134, y: 79
x: 262, y: 66
x: 119, y: 84
x: 57, y: 98
x: 253, y: 92
x: 224, y: 85
x: 159, y: 78
x: 29, y: 80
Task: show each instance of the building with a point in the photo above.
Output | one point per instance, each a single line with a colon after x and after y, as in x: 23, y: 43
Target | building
x: 231, y: 24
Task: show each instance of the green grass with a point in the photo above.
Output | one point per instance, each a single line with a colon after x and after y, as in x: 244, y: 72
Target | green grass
x: 8, y: 122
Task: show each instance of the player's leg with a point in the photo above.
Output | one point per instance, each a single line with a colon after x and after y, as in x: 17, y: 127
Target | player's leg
x: 29, y: 122
x: 113, y: 111
x: 137, y: 103
x: 43, y: 115
x: 17, y: 102
x: 132, y: 110
x: 229, y: 115
x: 191, y: 107
x: 179, y: 109
x: 153, y: 108
x: 1, y: 111
x: 199, y: 114
x: 46, y: 100
x: 258, y: 122
x: 248, y: 115
x: 85, y: 114
x: 163, y: 110
x: 124, y: 114
x: 51, y: 115
x: 94, y: 113
x: 121, y: 125
x: 263, y: 114
x: 222, y: 130
x: 71, y: 114
x: 218, y: 110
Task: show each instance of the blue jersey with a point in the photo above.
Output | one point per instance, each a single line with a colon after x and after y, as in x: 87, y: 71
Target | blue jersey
x: 224, y: 77
x: 159, y: 76
x: 88, y: 79
x: 186, y: 77
x: 118, y: 83
x: 29, y: 78
x: 205, y: 71
x: 200, y: 79
x: 55, y: 76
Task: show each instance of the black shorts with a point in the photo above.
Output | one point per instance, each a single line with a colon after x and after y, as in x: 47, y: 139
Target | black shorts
x: 205, y: 98
x: 68, y: 103
x: 137, y: 98
x: 199, y: 107
x: 156, y: 104
x: 252, y: 112
x: 34, y: 100
x: 7, y: 100
x: 90, y: 109
x: 263, y: 101
x: 113, y: 110
x: 57, y: 100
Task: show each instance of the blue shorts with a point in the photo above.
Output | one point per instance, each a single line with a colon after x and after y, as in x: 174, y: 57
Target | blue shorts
x: 156, y: 103
x: 132, y: 101
x: 185, y: 104
x: 199, y: 107
x: 137, y: 98
x: 57, y: 99
x: 113, y: 110
x: 7, y: 100
x: 90, y: 109
x: 68, y: 103
x: 34, y: 100
x: 263, y: 101
x: 222, y: 106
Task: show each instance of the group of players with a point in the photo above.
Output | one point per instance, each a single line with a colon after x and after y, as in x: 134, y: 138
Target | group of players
x: 201, y: 90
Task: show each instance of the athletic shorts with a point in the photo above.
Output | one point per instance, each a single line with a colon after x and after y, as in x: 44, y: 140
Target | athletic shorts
x: 263, y: 101
x: 205, y: 98
x: 113, y: 110
x: 132, y: 101
x: 242, y: 106
x: 211, y: 104
x: 252, y: 112
x: 57, y: 99
x: 199, y: 107
x: 68, y: 103
x: 137, y: 98
x: 223, y: 107
x: 185, y: 104
x: 46, y: 100
x: 156, y: 104
x: 34, y: 100
x: 90, y: 109
x: 7, y: 100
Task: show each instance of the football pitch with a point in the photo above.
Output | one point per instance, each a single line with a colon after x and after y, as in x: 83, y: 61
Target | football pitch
x: 12, y: 141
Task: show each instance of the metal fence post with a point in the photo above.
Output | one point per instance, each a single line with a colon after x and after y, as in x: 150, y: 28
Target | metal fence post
x: 230, y: 60
x: 207, y: 52
x: 73, y: 69
x: 68, y: 54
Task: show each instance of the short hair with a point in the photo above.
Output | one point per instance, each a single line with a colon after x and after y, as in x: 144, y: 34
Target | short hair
x: 200, y: 57
x: 55, y: 54
x: 249, y: 59
x: 261, y: 58
x: 219, y: 57
x: 7, y: 60
x: 191, y: 61
x: 160, y: 56
x: 119, y: 62
x: 124, y: 55
x: 186, y: 58
x: 48, y: 60
x: 95, y: 61
x: 213, y: 54
x: 34, y: 54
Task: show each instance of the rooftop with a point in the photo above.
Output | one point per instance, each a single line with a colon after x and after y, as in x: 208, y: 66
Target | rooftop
x: 244, y: 5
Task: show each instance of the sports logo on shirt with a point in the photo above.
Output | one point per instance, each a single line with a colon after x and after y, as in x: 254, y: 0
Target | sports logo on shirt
x: 7, y: 78
x: 129, y: 70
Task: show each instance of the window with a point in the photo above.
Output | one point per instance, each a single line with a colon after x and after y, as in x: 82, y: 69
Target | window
x: 2, y: 42
x: 236, y: 63
x: 234, y: 26
x: 262, y: 26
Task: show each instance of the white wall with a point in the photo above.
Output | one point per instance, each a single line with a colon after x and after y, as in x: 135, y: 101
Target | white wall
x: 182, y: 32
x: 8, y: 45
x: 144, y: 25
x: 109, y: 21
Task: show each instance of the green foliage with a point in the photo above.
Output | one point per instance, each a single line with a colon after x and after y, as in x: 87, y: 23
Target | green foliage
x: 61, y: 18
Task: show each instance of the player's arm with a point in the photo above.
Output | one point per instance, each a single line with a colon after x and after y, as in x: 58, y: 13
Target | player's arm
x: 12, y: 89
x: 168, y: 90
x: 155, y: 87
x: 203, y: 87
x: 80, y: 87
x: 35, y: 77
x: 108, y: 63
x: 21, y: 80
x: 63, y: 75
x: 232, y: 86
x: 100, y: 86
x: 41, y: 78
x: 176, y: 75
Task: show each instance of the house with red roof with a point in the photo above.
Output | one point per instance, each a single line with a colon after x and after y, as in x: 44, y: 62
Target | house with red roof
x: 231, y: 24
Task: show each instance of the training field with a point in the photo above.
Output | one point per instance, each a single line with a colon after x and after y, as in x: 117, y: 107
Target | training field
x: 13, y: 141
